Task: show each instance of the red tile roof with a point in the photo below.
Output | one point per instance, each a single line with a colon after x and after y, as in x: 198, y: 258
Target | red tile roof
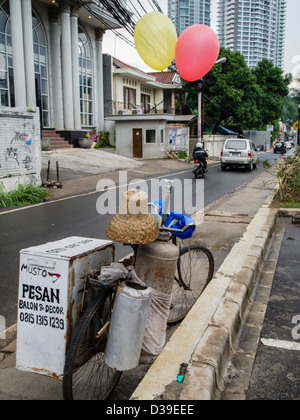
x: 120, y: 65
x: 165, y: 77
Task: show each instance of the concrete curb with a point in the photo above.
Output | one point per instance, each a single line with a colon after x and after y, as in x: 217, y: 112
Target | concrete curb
x: 204, y: 339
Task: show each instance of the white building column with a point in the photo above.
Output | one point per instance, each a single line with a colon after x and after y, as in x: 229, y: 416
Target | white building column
x: 18, y: 52
x: 57, y: 115
x: 100, y: 93
x: 67, y: 77
x: 28, y: 53
x: 75, y: 67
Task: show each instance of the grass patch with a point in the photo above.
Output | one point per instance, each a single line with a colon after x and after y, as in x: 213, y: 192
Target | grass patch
x: 31, y: 194
x: 291, y: 202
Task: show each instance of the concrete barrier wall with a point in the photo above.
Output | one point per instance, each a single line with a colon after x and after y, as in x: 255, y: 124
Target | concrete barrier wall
x: 212, y: 143
x: 204, y: 340
x: 20, y: 147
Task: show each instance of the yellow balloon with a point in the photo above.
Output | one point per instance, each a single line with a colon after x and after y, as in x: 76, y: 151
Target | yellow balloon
x: 155, y: 39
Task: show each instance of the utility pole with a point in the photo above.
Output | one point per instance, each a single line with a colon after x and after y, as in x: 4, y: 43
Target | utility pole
x: 200, y: 87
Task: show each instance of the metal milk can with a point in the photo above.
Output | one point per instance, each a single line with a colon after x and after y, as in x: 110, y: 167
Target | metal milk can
x: 156, y: 265
x: 127, y: 326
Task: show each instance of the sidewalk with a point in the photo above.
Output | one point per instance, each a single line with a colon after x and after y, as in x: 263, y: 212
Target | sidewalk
x: 238, y: 229
x: 265, y: 360
x: 208, y: 339
x: 80, y: 169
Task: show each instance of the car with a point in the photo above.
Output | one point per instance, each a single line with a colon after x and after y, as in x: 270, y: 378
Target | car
x: 288, y: 145
x: 237, y: 153
x: 278, y: 147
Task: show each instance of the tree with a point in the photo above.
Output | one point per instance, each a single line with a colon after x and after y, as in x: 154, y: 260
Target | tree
x: 274, y: 88
x: 290, y: 110
x: 291, y: 106
x: 232, y: 95
x: 237, y: 97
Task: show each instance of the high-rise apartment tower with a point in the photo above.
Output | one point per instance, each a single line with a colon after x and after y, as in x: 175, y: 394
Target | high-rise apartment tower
x: 185, y: 13
x: 256, y: 28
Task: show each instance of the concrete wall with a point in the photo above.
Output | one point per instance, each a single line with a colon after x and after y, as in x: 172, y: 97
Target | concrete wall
x: 212, y: 143
x: 20, y: 147
x: 261, y: 139
x: 179, y: 138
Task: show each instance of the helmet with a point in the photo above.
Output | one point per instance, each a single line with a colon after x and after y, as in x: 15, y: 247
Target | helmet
x: 199, y: 144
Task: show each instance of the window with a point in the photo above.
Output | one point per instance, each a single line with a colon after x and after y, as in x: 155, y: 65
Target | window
x: 162, y: 137
x: 236, y: 144
x: 85, y: 79
x: 41, y: 68
x: 129, y: 98
x: 150, y: 136
x: 6, y: 59
x: 145, y: 102
x: 40, y: 63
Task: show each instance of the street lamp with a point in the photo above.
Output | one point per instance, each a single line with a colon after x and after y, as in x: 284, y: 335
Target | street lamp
x: 200, y: 85
x: 221, y: 60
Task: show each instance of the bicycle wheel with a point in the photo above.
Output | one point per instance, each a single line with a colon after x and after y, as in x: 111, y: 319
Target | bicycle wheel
x: 86, y: 375
x: 195, y: 269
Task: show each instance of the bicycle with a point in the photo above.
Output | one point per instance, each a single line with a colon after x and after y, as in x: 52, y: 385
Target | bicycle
x: 86, y: 375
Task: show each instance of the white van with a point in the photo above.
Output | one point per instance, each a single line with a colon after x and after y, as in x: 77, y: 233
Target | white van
x: 239, y: 153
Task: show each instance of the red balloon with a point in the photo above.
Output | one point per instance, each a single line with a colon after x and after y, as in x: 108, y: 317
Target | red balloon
x: 197, y: 50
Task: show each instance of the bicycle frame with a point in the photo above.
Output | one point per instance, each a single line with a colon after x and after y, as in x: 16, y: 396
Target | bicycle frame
x: 96, y: 319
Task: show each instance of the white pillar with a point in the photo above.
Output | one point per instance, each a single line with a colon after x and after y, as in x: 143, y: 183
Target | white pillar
x: 18, y: 52
x: 57, y: 122
x: 75, y: 67
x: 67, y: 78
x: 28, y: 53
x: 100, y: 93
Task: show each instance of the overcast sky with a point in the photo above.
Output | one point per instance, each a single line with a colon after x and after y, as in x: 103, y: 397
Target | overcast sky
x: 114, y: 46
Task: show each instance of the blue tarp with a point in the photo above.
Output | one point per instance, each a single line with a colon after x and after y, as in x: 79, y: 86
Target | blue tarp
x: 225, y: 131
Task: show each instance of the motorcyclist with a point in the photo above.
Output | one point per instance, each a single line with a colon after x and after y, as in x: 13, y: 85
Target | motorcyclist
x: 200, y: 154
x: 283, y: 149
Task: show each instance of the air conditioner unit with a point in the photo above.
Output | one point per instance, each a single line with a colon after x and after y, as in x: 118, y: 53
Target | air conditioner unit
x: 123, y: 111
x: 137, y: 111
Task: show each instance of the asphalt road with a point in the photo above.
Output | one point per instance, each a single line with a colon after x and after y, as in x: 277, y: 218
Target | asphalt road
x: 36, y: 225
x: 276, y: 371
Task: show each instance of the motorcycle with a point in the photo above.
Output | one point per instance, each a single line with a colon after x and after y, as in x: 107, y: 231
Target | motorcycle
x: 199, y: 169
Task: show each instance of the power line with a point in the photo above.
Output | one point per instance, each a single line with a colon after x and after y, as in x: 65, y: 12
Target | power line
x: 126, y: 17
x: 137, y: 12
x: 145, y: 11
x: 157, y: 6
x: 152, y: 6
x: 106, y: 24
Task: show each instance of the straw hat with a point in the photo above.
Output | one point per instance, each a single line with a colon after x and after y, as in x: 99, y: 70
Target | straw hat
x: 133, y: 224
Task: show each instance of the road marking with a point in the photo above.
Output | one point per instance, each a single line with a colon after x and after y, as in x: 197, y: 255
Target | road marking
x: 45, y: 203
x: 281, y: 344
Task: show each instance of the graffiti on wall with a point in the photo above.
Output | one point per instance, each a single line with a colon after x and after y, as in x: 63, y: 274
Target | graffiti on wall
x: 178, y: 138
x: 19, y: 153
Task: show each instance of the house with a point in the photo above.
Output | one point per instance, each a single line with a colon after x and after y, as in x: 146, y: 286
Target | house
x: 51, y: 57
x: 51, y: 79
x: 129, y: 90
x: 138, y: 108
x: 150, y: 136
